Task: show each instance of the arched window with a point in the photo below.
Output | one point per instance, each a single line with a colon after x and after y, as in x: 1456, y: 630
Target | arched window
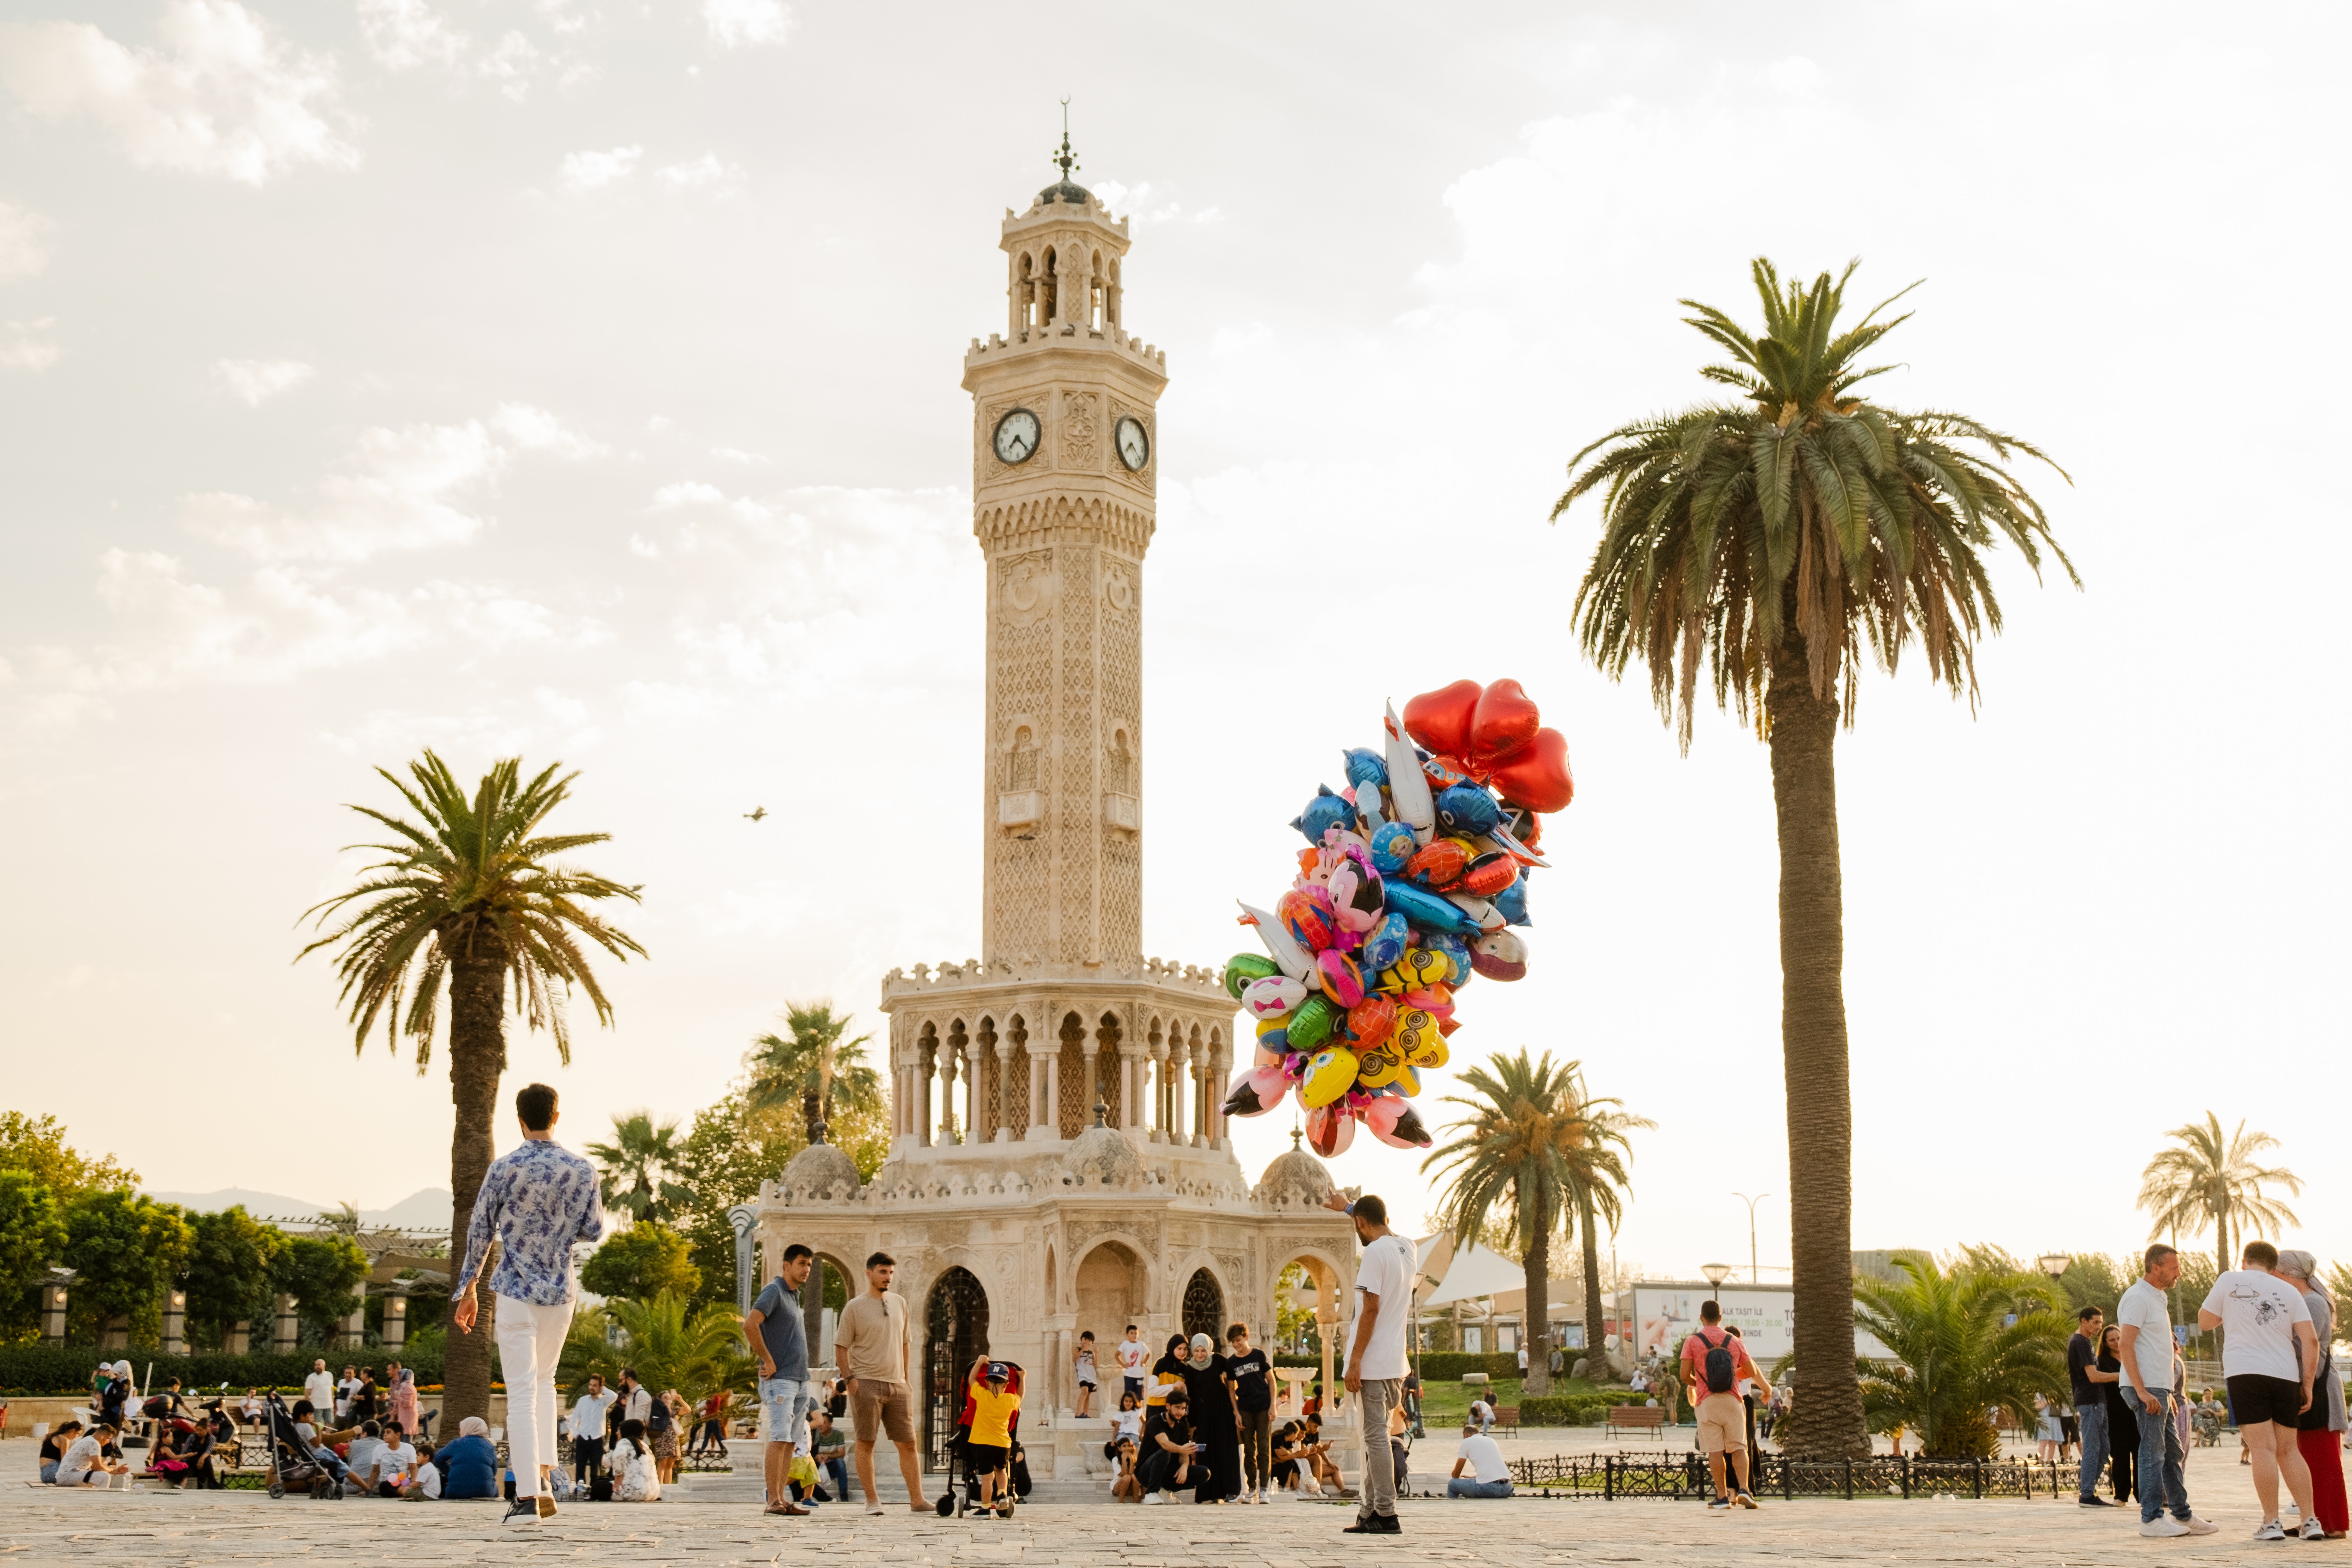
x: 1204, y: 1306
x: 956, y: 1323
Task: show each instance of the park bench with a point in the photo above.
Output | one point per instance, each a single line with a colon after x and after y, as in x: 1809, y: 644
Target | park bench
x: 1507, y: 1417
x: 1623, y: 1418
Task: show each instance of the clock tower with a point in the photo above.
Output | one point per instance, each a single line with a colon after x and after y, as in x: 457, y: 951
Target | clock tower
x: 1066, y: 463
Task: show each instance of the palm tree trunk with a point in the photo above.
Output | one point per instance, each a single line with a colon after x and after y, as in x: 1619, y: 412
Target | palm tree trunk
x: 1595, y: 1325
x: 1536, y: 1318
x: 1827, y: 1411
x: 477, y: 1055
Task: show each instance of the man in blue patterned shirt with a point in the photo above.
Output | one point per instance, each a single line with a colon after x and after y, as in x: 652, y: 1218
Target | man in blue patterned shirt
x: 536, y: 1200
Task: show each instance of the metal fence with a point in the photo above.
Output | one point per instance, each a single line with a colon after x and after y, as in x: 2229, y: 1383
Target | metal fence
x: 1608, y: 1477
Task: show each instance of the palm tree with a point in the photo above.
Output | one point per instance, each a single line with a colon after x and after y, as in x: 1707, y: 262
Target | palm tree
x: 1766, y: 538
x: 1957, y: 1354
x: 779, y: 1064
x: 471, y: 897
x: 2211, y: 1178
x: 1539, y: 1150
x: 695, y: 1355
x: 639, y: 1163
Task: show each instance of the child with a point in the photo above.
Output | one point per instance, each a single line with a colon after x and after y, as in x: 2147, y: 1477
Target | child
x: 1087, y: 1378
x: 989, y: 1447
x: 1134, y: 1355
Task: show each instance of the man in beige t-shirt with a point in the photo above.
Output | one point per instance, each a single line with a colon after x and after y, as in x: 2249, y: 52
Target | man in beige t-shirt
x: 874, y: 1344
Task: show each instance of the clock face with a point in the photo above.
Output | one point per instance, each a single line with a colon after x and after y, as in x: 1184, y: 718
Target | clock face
x: 1016, y: 437
x: 1134, y: 444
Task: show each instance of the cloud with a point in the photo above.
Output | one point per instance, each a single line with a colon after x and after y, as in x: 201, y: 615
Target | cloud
x: 405, y: 34
x: 537, y: 430
x: 222, y: 96
x: 733, y: 455
x: 1143, y: 205
x: 706, y: 173
x: 256, y: 381
x: 592, y: 170
x: 689, y: 495
x: 739, y: 23
x: 23, y: 242
x: 511, y: 65
x: 397, y: 492
x: 22, y: 347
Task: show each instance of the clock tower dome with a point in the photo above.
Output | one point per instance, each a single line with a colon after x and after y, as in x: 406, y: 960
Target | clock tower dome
x: 1066, y: 464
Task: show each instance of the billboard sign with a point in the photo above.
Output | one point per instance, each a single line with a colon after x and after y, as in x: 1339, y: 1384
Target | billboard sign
x: 1666, y: 1313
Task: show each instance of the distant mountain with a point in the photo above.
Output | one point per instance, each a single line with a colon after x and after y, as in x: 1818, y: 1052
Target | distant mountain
x: 424, y: 1210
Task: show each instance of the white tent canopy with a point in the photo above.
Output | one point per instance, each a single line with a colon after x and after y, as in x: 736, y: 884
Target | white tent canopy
x: 1473, y: 1272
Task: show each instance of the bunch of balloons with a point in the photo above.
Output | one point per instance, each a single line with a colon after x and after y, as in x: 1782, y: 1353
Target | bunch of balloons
x: 1414, y: 877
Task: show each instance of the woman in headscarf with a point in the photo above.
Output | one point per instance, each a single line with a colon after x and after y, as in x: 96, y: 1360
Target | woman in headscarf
x: 404, y: 1395
x: 2320, y: 1433
x: 1168, y: 1369
x: 1216, y: 1424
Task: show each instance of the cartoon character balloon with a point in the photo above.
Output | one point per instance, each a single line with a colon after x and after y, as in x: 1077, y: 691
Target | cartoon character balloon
x: 1414, y: 881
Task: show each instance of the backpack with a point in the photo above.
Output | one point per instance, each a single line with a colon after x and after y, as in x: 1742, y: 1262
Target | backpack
x: 1720, y: 1370
x: 657, y: 1417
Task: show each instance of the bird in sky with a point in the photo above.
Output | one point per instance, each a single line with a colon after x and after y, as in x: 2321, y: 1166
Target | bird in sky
x: 756, y: 814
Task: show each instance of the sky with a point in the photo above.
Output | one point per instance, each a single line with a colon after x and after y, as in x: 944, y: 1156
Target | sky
x: 579, y: 381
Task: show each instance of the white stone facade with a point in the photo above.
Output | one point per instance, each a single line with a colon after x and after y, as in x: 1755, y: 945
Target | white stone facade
x: 1017, y: 1222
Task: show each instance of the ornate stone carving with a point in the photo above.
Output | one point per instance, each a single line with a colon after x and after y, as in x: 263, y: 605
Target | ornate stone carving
x: 1027, y: 588
x: 1081, y: 450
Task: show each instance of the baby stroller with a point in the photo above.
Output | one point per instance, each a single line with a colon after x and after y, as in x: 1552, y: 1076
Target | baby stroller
x: 291, y: 1467
x: 1017, y: 1464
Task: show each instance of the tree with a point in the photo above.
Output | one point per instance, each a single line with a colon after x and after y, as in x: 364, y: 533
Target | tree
x: 1767, y: 539
x: 731, y: 1149
x: 1957, y: 1354
x: 2210, y: 1178
x: 229, y: 1278
x: 695, y: 1353
x: 471, y: 897
x: 124, y: 1249
x: 37, y: 1146
x: 322, y: 1273
x: 641, y: 1262
x: 779, y: 1064
x: 1539, y: 1149
x: 32, y: 1238
x: 638, y: 1164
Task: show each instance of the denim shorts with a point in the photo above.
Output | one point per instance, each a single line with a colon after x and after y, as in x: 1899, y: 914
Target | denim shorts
x: 787, y: 1403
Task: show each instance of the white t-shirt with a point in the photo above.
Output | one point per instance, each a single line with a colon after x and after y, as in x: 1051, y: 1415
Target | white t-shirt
x: 81, y: 1458
x: 2258, y: 1313
x: 428, y: 1481
x: 1134, y: 1355
x: 2145, y: 1307
x: 1386, y: 1272
x: 319, y: 1388
x: 1485, y: 1458
x: 394, y: 1463
x: 1127, y: 1423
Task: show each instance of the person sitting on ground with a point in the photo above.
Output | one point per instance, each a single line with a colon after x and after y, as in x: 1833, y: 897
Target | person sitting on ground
x: 1170, y: 1462
x: 52, y: 1451
x: 1320, y: 1462
x: 469, y: 1464
x: 634, y: 1479
x: 1489, y: 1477
x: 427, y: 1474
x: 1126, y: 1486
x: 1126, y: 1432
x: 360, y: 1456
x: 394, y: 1461
x: 988, y: 1446
x: 829, y: 1446
x: 85, y: 1463
x: 1291, y: 1472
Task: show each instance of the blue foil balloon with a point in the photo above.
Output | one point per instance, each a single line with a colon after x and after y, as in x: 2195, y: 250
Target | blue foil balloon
x: 1385, y: 944
x: 1326, y: 810
x: 1511, y: 903
x: 1427, y: 911
x: 1455, y: 947
x: 1364, y: 766
x: 1465, y: 811
x: 1393, y: 846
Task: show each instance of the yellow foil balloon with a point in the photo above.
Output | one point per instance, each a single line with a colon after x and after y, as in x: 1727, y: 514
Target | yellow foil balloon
x: 1380, y: 1066
x: 1414, y: 1032
x: 1435, y: 1055
x: 1408, y: 1080
x: 1418, y: 969
x: 1330, y: 1074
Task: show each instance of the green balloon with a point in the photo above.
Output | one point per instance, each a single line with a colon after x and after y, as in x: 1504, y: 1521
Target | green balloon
x: 1311, y: 1022
x: 1245, y: 967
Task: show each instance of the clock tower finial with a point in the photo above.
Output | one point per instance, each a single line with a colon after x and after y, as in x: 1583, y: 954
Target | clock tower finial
x: 1064, y: 159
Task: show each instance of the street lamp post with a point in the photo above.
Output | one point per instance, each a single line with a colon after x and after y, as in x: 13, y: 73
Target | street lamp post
x: 1751, y: 1230
x: 1717, y: 1273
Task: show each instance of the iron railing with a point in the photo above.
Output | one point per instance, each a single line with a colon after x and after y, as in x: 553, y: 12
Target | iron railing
x: 1608, y: 1477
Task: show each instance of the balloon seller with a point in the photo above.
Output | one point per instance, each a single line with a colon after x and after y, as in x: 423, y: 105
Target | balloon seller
x: 1415, y: 879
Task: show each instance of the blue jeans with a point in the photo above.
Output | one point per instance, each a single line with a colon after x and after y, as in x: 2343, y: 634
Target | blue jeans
x: 2159, y: 1464
x: 2093, y: 1419
x: 837, y: 1472
x: 1463, y: 1486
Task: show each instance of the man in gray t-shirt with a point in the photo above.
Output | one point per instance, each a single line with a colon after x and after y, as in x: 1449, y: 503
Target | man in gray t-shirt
x: 772, y: 1328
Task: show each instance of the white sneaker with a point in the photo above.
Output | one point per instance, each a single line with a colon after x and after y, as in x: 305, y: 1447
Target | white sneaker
x: 2312, y: 1531
x: 1149, y: 1498
x: 2160, y: 1525
x: 2196, y: 1526
x: 2270, y: 1531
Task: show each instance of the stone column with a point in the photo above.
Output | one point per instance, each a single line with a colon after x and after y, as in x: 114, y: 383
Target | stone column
x: 353, y: 1329
x: 1220, y: 1069
x: 1034, y: 1063
x: 1054, y: 1090
x: 1179, y: 1071
x: 926, y: 1067
x: 287, y: 1331
x: 972, y: 1088
x: 1157, y: 1070
x: 240, y: 1338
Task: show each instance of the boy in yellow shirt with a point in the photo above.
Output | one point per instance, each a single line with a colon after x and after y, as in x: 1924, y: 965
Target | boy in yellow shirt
x: 988, y: 1449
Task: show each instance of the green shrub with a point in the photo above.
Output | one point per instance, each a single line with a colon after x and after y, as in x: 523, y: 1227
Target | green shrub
x: 65, y: 1369
x: 1447, y: 1366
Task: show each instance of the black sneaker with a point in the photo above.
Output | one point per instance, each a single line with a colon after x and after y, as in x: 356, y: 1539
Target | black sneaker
x: 522, y: 1511
x: 2093, y: 1503
x: 1375, y: 1524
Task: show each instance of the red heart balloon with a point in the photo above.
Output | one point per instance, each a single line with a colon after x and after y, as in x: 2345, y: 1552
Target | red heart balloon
x: 1537, y: 778
x: 1505, y: 720
x: 1441, y: 720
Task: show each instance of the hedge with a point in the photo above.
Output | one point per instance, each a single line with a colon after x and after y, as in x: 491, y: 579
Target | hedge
x: 1567, y: 1410
x: 66, y: 1369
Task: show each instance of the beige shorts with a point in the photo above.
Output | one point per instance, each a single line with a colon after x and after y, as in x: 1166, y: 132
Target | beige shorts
x: 1722, y: 1423
x: 883, y: 1406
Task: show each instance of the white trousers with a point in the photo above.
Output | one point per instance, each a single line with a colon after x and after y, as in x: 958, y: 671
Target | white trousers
x: 531, y: 1341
